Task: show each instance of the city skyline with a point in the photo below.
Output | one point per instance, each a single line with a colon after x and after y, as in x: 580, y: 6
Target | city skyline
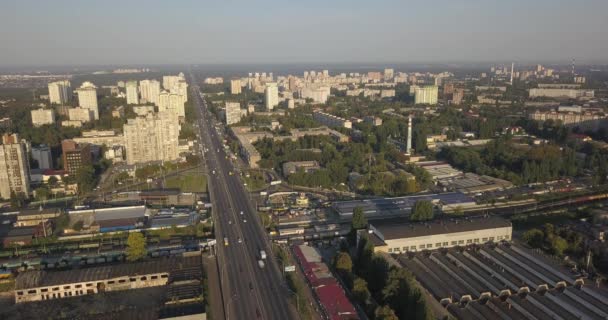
x: 268, y: 31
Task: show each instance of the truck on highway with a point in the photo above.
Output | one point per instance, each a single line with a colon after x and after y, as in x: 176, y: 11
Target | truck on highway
x: 261, y: 263
x: 262, y: 254
x: 226, y: 241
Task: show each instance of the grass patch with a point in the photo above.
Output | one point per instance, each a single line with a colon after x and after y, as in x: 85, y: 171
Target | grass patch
x: 9, y: 285
x: 255, y: 181
x: 188, y: 182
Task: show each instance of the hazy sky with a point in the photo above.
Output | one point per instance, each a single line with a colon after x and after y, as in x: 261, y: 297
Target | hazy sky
x: 62, y: 32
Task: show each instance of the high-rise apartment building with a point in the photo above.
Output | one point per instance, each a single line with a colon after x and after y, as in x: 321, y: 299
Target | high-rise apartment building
x: 42, y: 154
x: 60, y: 92
x: 181, y: 88
x: 87, y: 98
x: 132, y: 94
x: 172, y: 102
x: 14, y: 169
x: 41, y: 117
x: 389, y: 74
x: 170, y: 82
x: 75, y: 155
x: 235, y: 86
x: 271, y: 94
x: 233, y: 112
x: 177, y: 104
x: 149, y: 91
x: 426, y: 95
x: 152, y: 138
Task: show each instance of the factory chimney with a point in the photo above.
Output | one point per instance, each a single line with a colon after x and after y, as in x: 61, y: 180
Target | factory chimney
x: 408, y: 148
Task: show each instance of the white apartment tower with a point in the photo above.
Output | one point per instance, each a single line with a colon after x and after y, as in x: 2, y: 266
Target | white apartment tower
x: 149, y: 91
x: 132, y: 94
x: 14, y: 170
x: 87, y: 98
x: 60, y: 92
x: 233, y: 112
x: 426, y: 95
x: 271, y: 94
x: 154, y: 137
x: 235, y: 86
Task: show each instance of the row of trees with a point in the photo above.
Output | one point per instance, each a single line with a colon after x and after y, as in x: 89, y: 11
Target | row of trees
x: 502, y: 159
x: 555, y: 240
x: 385, y: 293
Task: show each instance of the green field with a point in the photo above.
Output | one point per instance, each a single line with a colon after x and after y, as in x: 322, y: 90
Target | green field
x: 188, y: 182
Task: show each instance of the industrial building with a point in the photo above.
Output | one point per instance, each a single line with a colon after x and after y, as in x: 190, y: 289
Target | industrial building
x: 37, y: 285
x: 505, y: 281
x: 396, y: 237
x: 110, y: 219
x: 399, y: 206
x: 328, y: 291
x: 171, y: 219
x: 33, y: 217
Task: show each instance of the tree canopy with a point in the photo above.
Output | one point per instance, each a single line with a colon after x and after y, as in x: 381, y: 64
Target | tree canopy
x: 136, y: 246
x: 422, y: 211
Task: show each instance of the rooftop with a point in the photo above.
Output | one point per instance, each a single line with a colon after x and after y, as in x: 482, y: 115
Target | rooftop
x: 38, y: 278
x: 113, y: 213
x: 394, y: 230
x: 398, y: 205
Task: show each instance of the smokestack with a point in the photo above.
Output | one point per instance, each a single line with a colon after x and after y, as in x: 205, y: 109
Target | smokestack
x: 408, y: 148
x: 512, y: 67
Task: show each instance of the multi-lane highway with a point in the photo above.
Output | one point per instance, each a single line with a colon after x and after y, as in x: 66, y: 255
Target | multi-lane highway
x: 248, y: 290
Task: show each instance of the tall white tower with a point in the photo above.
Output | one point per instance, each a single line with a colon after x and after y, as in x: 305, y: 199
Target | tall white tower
x: 408, y: 148
x: 512, y: 67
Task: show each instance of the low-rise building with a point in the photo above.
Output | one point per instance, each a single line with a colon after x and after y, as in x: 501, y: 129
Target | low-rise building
x: 292, y: 167
x: 33, y: 217
x: 331, y: 120
x: 38, y: 285
x: 41, y: 117
x: 395, y: 237
x: 566, y: 93
x: 81, y: 114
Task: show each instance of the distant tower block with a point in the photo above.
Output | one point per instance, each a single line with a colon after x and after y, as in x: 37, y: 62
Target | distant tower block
x: 408, y: 148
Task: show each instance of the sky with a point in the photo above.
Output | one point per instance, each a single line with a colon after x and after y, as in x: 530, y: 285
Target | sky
x: 88, y: 32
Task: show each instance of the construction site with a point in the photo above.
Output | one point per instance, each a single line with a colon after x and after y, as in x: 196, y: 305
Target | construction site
x: 505, y: 281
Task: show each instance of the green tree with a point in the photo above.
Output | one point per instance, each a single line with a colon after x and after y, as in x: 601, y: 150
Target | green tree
x: 359, y: 220
x: 360, y: 291
x: 458, y: 211
x: 136, y: 246
x: 18, y: 200
x: 343, y: 263
x: 534, y: 237
x: 422, y: 211
x: 78, y: 225
x: 559, y: 245
x: 52, y: 181
x: 385, y: 313
x: 42, y: 193
x: 85, y: 178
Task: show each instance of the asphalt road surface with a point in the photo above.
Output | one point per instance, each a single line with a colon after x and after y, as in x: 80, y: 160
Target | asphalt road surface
x: 248, y: 290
